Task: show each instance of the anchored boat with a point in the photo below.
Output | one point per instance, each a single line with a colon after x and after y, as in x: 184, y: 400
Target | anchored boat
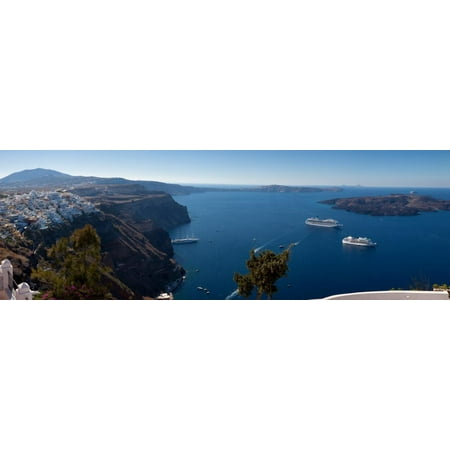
x: 360, y: 241
x: 186, y: 240
x: 326, y: 223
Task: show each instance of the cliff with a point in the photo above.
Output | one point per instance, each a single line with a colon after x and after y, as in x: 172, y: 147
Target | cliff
x: 144, y: 264
x: 146, y: 211
x: 141, y: 267
x: 134, y: 235
x: 390, y: 205
x: 131, y: 223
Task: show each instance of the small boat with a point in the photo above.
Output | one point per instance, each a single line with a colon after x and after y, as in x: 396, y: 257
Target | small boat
x: 186, y: 240
x: 165, y: 296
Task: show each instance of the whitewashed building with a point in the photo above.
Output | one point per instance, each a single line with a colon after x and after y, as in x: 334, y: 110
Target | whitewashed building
x: 7, y: 284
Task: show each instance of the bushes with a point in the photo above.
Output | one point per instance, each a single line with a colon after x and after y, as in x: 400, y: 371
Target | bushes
x: 264, y: 271
x: 73, y: 269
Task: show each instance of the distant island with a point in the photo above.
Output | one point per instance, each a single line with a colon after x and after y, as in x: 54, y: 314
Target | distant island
x: 281, y: 188
x: 390, y: 205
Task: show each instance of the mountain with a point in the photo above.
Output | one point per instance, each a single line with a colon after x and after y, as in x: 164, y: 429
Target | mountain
x: 46, y: 178
x: 34, y: 176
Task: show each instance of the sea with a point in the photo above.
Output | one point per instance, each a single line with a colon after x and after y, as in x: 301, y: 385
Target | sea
x: 412, y: 251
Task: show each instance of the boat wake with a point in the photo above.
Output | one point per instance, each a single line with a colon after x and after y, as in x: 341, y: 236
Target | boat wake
x: 269, y: 242
x: 258, y: 249
x: 234, y: 294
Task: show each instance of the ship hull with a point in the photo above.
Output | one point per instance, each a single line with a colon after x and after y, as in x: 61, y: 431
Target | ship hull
x: 323, y: 225
x: 359, y: 245
x: 326, y: 223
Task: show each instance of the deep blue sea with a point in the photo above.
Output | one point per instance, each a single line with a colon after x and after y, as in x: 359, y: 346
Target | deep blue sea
x: 230, y: 224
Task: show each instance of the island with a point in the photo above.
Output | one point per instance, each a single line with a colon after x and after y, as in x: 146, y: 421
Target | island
x: 390, y: 205
x: 282, y: 188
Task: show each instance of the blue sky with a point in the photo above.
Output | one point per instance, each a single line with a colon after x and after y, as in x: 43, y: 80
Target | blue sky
x: 368, y: 168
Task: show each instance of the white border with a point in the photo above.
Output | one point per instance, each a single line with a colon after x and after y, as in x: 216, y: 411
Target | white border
x: 224, y: 75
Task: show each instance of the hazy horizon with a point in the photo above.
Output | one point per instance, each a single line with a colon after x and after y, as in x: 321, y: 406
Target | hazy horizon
x: 383, y: 168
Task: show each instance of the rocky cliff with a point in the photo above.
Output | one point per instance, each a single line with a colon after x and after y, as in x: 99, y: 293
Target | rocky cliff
x: 133, y: 229
x: 147, y: 211
x: 132, y: 225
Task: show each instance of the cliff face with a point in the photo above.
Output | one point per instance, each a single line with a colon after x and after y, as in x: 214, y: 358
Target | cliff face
x: 147, y: 212
x: 145, y: 266
x: 134, y: 237
x: 135, y: 244
x: 140, y: 263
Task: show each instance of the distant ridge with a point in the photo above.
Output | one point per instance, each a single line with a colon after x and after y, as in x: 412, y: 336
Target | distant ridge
x: 47, y: 178
x: 41, y: 178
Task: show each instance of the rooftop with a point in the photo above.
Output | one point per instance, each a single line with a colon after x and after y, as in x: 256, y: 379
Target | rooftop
x: 392, y: 295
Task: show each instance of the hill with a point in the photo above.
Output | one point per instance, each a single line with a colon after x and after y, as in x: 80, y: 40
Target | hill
x: 46, y: 178
x: 35, y: 177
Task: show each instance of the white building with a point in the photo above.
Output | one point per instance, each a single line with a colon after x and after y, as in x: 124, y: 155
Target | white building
x: 7, y: 290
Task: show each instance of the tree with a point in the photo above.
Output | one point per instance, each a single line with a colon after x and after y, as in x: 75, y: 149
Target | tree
x: 74, y: 269
x: 264, y: 271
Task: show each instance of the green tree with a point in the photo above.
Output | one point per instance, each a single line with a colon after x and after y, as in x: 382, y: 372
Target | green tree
x: 74, y: 269
x: 264, y: 271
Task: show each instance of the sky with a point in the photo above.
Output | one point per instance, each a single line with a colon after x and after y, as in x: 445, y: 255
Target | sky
x: 256, y: 167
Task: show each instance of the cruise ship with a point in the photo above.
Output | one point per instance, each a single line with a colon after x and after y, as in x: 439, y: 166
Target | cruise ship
x: 327, y: 223
x: 361, y: 241
x: 186, y: 240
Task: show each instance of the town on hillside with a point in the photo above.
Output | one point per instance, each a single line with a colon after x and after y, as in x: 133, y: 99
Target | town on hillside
x: 39, y: 210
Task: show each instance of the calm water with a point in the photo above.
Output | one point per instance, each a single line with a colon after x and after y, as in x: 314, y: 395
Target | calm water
x: 229, y: 224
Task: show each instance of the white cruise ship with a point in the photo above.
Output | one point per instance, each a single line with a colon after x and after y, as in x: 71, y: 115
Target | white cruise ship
x: 327, y: 223
x: 186, y: 240
x: 361, y: 241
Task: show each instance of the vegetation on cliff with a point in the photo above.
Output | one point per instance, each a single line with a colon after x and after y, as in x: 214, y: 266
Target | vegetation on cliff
x: 264, y: 271
x: 73, y: 268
